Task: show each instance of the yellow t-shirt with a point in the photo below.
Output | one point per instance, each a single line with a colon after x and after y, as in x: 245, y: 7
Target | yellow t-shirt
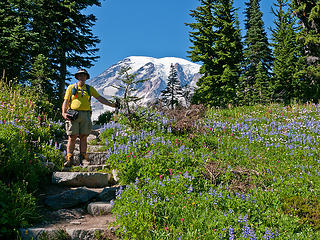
x: 80, y: 101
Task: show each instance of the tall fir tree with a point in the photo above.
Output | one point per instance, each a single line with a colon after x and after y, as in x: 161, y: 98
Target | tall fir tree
x: 15, y: 39
x: 68, y: 41
x: 308, y: 12
x: 39, y: 76
x: 58, y: 30
x: 286, y: 83
x: 257, y: 54
x: 217, y: 44
x: 171, y: 94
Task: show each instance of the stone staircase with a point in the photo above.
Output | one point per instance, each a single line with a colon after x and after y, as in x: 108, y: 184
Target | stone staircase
x: 77, y: 205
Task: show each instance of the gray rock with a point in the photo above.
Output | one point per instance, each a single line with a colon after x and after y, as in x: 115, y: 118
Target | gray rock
x: 79, y: 179
x: 83, y: 234
x: 93, y: 168
x: 70, y: 198
x: 108, y: 194
x: 97, y: 158
x: 37, y: 233
x: 99, y: 208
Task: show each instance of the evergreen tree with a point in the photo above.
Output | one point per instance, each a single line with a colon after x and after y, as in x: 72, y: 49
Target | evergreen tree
x: 308, y: 12
x: 286, y: 53
x: 256, y: 52
x: 68, y: 41
x: 217, y: 44
x: 39, y: 76
x: 128, y: 86
x: 171, y: 94
x: 15, y: 39
x: 58, y: 30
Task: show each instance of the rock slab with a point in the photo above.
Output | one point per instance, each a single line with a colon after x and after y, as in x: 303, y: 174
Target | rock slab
x: 81, y: 234
x: 80, y: 179
x: 99, y: 208
x: 38, y: 233
x: 70, y: 198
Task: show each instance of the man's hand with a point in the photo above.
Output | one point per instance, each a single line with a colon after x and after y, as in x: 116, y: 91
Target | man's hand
x: 65, y: 116
x: 118, y: 103
x: 64, y: 109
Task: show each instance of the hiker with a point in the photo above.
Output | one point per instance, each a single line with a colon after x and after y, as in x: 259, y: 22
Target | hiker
x: 78, y: 122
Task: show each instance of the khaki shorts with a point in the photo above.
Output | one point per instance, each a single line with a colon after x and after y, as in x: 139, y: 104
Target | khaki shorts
x: 81, y: 126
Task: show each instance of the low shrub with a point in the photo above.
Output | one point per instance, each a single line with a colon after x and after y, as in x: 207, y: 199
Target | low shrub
x: 18, y: 208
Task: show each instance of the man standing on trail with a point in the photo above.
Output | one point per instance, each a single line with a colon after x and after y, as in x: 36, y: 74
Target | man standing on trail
x: 78, y: 98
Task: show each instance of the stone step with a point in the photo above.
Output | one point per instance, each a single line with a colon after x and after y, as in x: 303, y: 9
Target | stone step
x: 99, y: 208
x: 70, y: 198
x: 90, y: 148
x: 86, y: 228
x: 96, y: 148
x: 82, y: 179
x: 61, y: 197
x: 94, y: 158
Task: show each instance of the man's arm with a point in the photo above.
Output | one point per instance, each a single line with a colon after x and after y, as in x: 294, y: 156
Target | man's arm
x: 106, y: 102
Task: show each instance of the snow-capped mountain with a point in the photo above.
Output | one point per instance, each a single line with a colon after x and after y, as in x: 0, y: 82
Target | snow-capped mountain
x: 154, y: 69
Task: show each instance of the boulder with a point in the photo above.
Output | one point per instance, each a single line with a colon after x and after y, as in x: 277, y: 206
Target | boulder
x: 79, y: 179
x: 70, y: 198
x: 108, y: 194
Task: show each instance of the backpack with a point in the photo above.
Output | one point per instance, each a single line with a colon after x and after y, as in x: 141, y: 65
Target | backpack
x: 74, y: 91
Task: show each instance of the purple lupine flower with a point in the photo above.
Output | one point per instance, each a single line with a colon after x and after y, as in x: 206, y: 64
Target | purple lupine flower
x: 268, y: 235
x: 231, y: 233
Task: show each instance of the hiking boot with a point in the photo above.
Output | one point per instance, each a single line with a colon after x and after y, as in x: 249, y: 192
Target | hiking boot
x: 69, y: 160
x: 83, y: 160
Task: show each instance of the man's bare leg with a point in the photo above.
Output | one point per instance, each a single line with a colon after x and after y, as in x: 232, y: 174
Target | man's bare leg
x: 83, y: 149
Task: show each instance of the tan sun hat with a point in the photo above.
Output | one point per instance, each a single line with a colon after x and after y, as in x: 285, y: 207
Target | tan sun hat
x: 81, y: 70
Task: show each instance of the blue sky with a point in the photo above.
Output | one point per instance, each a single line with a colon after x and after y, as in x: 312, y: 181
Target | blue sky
x: 154, y: 28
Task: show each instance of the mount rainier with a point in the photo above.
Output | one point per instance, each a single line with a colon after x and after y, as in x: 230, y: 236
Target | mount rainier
x: 156, y: 70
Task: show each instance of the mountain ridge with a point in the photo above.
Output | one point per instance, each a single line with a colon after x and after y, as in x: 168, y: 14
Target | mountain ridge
x: 156, y: 70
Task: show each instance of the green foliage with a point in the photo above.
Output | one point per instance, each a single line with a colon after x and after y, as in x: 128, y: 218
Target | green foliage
x: 26, y: 146
x: 308, y: 210
x: 308, y: 12
x: 247, y: 172
x: 104, y: 117
x: 286, y: 82
x: 217, y: 44
x: 40, y: 74
x: 258, y: 57
x: 32, y: 47
x: 18, y: 208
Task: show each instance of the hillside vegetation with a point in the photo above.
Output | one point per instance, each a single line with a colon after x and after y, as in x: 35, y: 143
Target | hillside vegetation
x: 27, y: 144
x: 238, y: 173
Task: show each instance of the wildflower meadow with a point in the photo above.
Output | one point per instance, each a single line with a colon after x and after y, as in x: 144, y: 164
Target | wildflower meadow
x: 239, y: 173
x: 28, y: 141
